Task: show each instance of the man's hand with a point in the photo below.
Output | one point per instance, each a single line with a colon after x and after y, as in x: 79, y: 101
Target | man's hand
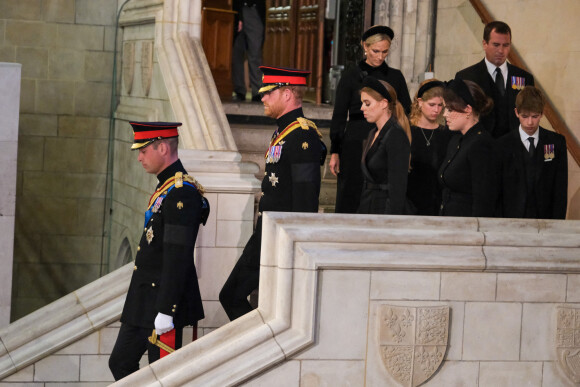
x: 163, y: 323
x: 240, y: 26
x: 334, y: 164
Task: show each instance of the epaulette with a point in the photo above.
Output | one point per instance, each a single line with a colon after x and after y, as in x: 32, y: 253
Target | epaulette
x: 307, y: 124
x: 180, y: 178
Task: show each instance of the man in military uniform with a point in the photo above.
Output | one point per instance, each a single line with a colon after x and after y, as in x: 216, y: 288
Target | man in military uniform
x: 292, y: 179
x: 164, y: 293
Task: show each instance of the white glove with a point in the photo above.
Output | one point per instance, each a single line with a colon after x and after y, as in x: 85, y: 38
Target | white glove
x: 163, y: 323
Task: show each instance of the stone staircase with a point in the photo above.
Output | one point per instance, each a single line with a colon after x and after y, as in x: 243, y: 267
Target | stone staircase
x: 252, y: 132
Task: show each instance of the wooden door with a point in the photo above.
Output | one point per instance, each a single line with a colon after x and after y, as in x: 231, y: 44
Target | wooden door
x: 294, y: 38
x: 217, y: 34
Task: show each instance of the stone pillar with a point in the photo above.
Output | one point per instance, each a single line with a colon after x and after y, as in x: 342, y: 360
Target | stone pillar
x: 9, y: 113
x: 229, y: 186
x: 411, y: 22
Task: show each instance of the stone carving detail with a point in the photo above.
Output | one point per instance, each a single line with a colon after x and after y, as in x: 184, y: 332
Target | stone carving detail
x: 146, y: 66
x: 568, y: 341
x: 128, y: 65
x: 413, y: 341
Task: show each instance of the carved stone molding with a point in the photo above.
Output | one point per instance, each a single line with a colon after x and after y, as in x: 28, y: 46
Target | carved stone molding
x: 128, y: 66
x: 146, y: 66
x: 413, y: 341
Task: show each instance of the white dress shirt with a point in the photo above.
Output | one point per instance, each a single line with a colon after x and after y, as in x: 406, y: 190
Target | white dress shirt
x: 491, y: 69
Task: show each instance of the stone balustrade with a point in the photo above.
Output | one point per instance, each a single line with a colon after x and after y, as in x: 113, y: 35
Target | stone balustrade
x: 329, y: 286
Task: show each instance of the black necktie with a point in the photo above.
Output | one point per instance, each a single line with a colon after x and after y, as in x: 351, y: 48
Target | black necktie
x: 532, y: 148
x: 500, y: 83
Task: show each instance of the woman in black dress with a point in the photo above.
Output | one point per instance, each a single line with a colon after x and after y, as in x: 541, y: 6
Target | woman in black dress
x: 468, y: 172
x: 386, y: 152
x: 428, y: 148
x: 347, y: 137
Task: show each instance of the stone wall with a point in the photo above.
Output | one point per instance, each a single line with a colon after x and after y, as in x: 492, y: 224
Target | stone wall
x: 543, y: 34
x: 9, y: 111
x: 66, y: 51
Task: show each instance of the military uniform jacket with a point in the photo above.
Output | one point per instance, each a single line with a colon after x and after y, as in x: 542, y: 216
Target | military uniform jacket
x: 385, y: 167
x: 551, y: 175
x: 468, y: 175
x: 292, y: 175
x: 517, y: 79
x: 164, y: 277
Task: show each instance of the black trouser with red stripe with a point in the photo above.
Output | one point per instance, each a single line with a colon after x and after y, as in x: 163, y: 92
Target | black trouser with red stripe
x: 131, y: 344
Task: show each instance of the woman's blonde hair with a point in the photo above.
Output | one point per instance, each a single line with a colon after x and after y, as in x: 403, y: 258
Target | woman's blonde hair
x: 433, y: 92
x: 376, y: 38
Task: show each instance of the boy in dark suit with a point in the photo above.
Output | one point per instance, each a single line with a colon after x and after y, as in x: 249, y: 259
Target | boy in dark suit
x: 534, y: 164
x: 499, y: 80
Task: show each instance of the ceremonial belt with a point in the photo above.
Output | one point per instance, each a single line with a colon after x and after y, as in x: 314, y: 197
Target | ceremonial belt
x: 372, y: 186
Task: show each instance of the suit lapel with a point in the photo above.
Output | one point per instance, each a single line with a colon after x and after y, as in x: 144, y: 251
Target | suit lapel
x: 485, y: 80
x: 366, y: 149
x: 539, y: 156
x: 517, y: 150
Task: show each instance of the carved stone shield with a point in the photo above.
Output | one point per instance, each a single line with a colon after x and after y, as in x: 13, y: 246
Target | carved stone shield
x: 413, y: 341
x: 568, y: 341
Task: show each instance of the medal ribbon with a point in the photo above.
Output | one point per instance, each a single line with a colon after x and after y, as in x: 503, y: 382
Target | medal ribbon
x: 161, y: 193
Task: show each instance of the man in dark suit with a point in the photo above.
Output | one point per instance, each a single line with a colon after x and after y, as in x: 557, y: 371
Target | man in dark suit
x: 534, y: 164
x: 249, y: 26
x: 500, y: 80
x: 292, y: 179
x: 163, y: 296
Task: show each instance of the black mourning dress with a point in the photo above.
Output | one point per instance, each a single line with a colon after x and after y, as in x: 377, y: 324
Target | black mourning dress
x: 349, y: 128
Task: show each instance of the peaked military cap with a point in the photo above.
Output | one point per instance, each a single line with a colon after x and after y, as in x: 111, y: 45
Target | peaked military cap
x: 147, y: 132
x: 275, y: 77
x: 374, y: 30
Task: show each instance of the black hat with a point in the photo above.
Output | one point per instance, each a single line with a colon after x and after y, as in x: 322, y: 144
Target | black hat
x: 374, y: 30
x: 147, y: 132
x: 429, y: 85
x: 459, y: 87
x: 275, y: 77
x: 377, y: 86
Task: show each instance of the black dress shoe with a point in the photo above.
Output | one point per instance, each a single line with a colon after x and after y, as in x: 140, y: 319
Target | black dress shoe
x: 239, y: 97
x: 257, y: 98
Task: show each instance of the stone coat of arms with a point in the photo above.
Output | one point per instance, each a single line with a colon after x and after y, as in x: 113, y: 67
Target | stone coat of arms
x: 413, y: 341
x: 568, y: 341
